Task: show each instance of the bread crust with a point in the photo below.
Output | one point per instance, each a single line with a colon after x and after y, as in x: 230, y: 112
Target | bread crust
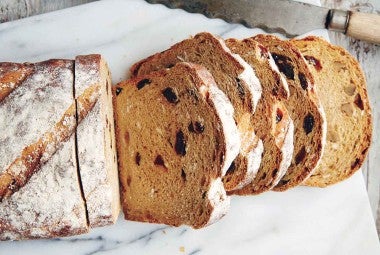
x: 40, y: 115
x: 12, y: 75
x: 349, y: 121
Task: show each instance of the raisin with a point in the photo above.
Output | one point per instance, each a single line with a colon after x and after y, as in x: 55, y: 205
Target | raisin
x: 183, y: 175
x: 169, y: 65
x: 232, y: 168
x: 240, y: 88
x: 355, y: 164
x: 283, y: 182
x: 308, y: 123
x: 279, y: 115
x: 315, y: 62
x: 300, y: 155
x: 196, y: 127
x: 138, y: 158
x: 180, y: 143
x: 204, y: 195
x: 359, y: 102
x: 159, y: 161
x: 141, y: 84
x: 118, y: 90
x: 170, y: 95
x: 274, y: 173
x: 303, y: 81
x: 284, y: 64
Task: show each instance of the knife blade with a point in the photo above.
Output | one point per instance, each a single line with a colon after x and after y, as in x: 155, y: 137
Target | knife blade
x: 284, y: 16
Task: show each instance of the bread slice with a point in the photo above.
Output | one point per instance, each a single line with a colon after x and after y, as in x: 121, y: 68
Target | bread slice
x: 343, y: 94
x: 175, y: 139
x: 304, y: 108
x: 37, y: 121
x: 235, y: 78
x: 96, y: 141
x: 12, y: 75
x: 271, y: 120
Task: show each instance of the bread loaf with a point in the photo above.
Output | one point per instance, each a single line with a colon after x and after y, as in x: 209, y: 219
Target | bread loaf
x: 235, y: 78
x: 176, y: 138
x: 44, y: 150
x: 43, y: 198
x: 343, y: 94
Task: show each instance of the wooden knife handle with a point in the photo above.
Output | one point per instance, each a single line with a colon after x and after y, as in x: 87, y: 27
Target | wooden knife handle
x: 364, y: 26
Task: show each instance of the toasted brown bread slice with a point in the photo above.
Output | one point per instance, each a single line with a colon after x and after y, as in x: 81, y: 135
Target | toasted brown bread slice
x: 175, y: 139
x: 342, y: 89
x: 304, y: 108
x: 235, y: 78
x: 271, y: 120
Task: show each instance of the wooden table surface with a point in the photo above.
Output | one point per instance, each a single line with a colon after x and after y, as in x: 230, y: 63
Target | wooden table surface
x: 367, y: 54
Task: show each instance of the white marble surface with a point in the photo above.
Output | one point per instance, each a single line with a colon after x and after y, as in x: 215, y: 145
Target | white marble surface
x: 335, y: 220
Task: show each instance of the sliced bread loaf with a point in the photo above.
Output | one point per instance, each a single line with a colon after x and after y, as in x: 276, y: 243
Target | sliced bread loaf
x: 235, y: 78
x: 96, y: 140
x: 304, y: 108
x: 176, y: 137
x: 271, y: 119
x: 343, y: 94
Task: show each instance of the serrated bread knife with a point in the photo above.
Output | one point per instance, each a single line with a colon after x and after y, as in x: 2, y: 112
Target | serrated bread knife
x: 284, y: 16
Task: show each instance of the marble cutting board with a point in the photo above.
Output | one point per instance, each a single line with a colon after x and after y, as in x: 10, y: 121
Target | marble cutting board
x: 334, y: 220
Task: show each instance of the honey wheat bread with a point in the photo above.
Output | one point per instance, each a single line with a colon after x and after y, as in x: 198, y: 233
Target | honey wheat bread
x: 96, y: 140
x: 304, y: 108
x: 175, y: 139
x: 235, y: 78
x: 271, y: 119
x: 342, y: 89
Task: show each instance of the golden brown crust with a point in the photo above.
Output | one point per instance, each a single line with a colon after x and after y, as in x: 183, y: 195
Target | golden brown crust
x: 304, y: 109
x: 12, y: 75
x: 349, y: 121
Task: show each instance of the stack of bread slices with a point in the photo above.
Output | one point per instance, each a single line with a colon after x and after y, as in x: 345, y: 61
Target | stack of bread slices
x: 208, y: 118
x: 203, y: 120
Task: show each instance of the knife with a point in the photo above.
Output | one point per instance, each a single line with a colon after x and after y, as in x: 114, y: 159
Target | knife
x: 284, y: 16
